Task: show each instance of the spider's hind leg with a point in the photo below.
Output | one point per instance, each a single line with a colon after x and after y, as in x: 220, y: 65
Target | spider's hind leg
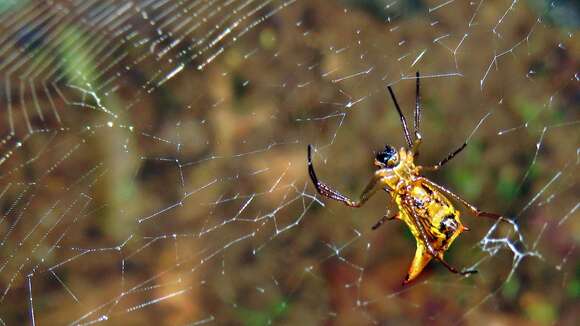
x: 473, y: 209
x: 453, y: 269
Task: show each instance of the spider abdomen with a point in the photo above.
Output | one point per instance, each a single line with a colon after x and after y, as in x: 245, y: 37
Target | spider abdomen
x: 430, y: 215
x: 433, y: 221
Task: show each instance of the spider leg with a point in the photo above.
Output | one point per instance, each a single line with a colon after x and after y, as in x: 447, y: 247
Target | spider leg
x: 453, y: 269
x: 445, y: 160
x: 416, y: 144
x: 472, y: 208
x: 417, y: 108
x: 402, y: 117
x: 383, y: 220
x: 417, y: 120
x: 412, y: 144
x: 328, y: 192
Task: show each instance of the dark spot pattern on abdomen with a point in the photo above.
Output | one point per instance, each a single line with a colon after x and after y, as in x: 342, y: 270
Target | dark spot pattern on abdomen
x: 448, y: 225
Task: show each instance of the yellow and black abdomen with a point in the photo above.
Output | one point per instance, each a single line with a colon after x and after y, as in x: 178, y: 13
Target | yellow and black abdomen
x: 430, y: 216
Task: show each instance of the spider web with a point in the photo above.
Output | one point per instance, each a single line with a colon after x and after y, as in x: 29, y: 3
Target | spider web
x: 153, y: 160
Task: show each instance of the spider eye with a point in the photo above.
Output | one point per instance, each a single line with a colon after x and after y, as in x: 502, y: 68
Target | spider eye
x: 388, y: 157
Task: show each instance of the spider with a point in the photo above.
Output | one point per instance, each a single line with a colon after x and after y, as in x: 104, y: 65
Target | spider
x: 422, y: 204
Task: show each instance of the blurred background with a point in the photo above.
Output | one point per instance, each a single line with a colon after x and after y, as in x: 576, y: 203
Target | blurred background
x: 153, y: 160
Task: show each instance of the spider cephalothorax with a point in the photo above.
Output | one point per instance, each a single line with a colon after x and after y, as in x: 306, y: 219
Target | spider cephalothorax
x: 422, y: 204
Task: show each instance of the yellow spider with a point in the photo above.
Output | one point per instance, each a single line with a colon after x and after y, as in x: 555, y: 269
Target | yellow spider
x: 422, y: 204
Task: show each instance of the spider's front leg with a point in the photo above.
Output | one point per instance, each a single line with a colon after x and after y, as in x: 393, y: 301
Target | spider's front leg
x: 328, y: 192
x: 416, y: 144
x: 445, y: 160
